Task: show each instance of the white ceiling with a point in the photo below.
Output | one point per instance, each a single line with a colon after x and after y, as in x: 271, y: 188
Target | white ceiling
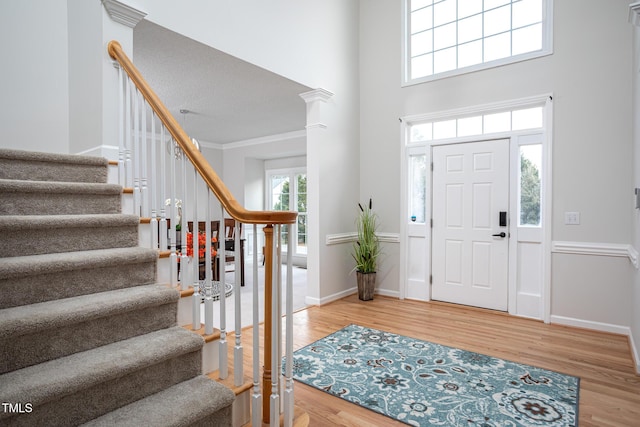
x: 229, y: 99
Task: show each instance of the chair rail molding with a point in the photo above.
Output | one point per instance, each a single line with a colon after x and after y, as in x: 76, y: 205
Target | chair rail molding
x: 336, y: 239
x: 597, y: 249
x: 122, y: 13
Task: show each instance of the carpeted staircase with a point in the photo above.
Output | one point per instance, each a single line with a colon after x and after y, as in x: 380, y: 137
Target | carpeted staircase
x: 86, y: 334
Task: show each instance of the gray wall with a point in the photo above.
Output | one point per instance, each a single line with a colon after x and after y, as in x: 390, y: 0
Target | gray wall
x: 635, y: 300
x: 34, y: 89
x: 589, y: 75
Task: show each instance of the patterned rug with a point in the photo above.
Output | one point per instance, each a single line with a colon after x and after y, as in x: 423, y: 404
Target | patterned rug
x: 422, y: 383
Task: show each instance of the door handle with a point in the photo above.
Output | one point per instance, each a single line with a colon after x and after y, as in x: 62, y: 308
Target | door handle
x: 502, y: 234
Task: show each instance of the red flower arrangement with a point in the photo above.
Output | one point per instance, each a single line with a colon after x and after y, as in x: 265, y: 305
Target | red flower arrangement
x: 202, y: 244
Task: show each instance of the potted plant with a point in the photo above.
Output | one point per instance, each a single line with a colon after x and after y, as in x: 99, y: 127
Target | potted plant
x: 366, y: 251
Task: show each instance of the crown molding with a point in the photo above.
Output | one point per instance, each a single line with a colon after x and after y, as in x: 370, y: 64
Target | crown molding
x: 316, y: 95
x: 122, y: 13
x: 634, y: 13
x: 265, y: 139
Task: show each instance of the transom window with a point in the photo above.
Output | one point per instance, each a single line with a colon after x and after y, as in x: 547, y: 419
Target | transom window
x: 447, y: 37
x: 495, y: 122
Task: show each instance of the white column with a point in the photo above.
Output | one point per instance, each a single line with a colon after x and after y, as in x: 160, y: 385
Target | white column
x: 316, y: 128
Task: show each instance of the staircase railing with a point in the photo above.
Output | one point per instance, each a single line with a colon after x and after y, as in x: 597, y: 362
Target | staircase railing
x: 173, y: 184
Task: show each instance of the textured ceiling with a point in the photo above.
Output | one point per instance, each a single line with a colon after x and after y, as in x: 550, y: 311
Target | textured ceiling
x: 229, y: 99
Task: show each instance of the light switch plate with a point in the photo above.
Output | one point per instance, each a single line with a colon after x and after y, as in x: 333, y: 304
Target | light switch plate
x: 572, y: 218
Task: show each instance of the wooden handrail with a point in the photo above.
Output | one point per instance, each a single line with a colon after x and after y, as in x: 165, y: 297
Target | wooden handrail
x: 231, y: 205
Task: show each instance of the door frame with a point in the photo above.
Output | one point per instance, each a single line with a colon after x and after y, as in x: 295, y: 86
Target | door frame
x: 410, y: 232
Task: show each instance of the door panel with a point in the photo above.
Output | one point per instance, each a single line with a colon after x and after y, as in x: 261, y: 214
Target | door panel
x: 470, y: 189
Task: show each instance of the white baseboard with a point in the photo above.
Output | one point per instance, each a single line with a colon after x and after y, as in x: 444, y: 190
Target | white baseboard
x: 346, y: 293
x: 330, y: 298
x: 589, y: 324
x: 108, y: 151
x: 388, y: 293
x: 634, y: 353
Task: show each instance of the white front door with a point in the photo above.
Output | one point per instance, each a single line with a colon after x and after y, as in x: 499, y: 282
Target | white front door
x: 470, y: 239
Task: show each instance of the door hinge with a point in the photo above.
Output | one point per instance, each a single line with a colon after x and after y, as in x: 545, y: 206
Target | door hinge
x: 431, y: 166
x: 431, y: 222
x: 431, y: 279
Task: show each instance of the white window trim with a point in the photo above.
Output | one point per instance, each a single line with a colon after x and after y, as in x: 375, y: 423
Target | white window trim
x: 291, y: 172
x: 547, y: 49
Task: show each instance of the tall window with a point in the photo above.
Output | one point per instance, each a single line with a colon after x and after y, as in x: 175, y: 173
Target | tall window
x: 288, y: 192
x: 447, y: 37
x: 417, y: 187
x: 530, y: 181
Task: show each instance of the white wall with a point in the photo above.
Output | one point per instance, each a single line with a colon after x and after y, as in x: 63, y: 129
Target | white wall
x: 93, y: 80
x: 590, y: 78
x: 85, y: 74
x: 34, y: 105
x: 254, y: 183
x: 58, y: 85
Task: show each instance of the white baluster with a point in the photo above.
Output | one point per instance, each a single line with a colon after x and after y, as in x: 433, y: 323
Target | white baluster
x: 153, y: 224
x: 185, y: 269
x: 195, y: 232
x: 136, y: 153
x: 288, y: 393
x: 208, y: 308
x: 162, y: 232
x: 274, y: 401
x: 238, y: 372
x: 144, y: 196
x: 224, y: 365
x: 195, y: 307
x: 121, y: 108
x: 208, y: 304
x: 256, y: 398
x: 173, y: 269
x: 128, y: 142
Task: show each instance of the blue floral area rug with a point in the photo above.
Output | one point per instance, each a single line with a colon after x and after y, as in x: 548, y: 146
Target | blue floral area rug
x: 422, y: 383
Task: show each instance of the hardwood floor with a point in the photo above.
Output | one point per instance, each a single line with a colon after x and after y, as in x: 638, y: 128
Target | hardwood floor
x: 609, y: 387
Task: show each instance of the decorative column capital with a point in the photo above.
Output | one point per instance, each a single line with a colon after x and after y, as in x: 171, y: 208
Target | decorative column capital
x: 122, y: 13
x: 314, y: 99
x: 634, y: 13
x: 316, y: 95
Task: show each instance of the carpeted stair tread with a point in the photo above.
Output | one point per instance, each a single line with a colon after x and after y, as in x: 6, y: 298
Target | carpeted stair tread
x: 192, y: 402
x: 25, y: 320
x: 39, y: 332
x: 55, y: 198
x: 49, y: 263
x: 37, y: 278
x: 55, y: 379
x: 40, y: 234
x: 21, y: 186
x: 29, y: 165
